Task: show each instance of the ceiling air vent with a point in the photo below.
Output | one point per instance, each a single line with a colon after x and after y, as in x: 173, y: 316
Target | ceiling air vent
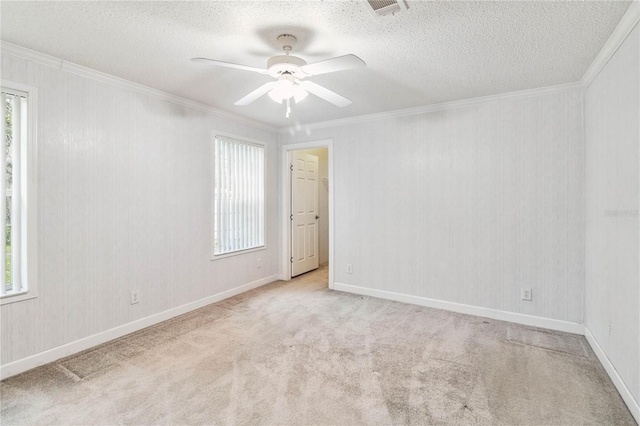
x: 386, y: 7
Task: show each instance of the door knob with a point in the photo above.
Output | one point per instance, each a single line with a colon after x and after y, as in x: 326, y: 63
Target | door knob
x: 317, y: 217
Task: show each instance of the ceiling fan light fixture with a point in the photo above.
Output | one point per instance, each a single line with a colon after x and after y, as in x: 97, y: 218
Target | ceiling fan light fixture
x: 284, y: 89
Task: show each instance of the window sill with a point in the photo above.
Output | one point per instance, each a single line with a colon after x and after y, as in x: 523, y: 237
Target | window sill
x: 236, y: 253
x: 17, y: 297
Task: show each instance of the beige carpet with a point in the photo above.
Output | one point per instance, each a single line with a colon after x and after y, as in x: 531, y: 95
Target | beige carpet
x: 297, y: 353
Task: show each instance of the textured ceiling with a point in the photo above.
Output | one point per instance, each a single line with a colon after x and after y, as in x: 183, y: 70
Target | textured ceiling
x: 431, y: 53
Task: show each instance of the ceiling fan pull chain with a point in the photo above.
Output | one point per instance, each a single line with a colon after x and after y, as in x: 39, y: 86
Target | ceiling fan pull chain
x: 288, y: 108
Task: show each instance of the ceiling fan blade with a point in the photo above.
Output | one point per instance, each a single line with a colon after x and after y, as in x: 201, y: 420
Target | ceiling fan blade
x: 229, y: 65
x: 325, y: 94
x: 340, y: 63
x: 256, y: 93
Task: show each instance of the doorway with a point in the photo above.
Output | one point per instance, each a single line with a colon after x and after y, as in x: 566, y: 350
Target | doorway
x: 308, y: 208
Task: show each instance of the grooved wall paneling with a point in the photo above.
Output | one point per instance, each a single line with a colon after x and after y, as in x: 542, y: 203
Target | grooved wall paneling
x: 125, y: 203
x: 612, y: 138
x: 465, y: 205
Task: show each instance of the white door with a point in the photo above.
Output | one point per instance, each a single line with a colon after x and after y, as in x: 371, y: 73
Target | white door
x: 304, y: 213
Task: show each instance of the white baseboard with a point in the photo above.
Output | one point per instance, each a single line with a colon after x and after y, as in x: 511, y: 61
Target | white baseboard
x: 530, y: 320
x: 54, y: 354
x: 623, y: 390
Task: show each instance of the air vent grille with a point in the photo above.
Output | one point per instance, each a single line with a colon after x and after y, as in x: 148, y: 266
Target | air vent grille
x: 386, y: 7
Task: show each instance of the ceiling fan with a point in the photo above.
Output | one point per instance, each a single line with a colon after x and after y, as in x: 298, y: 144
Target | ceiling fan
x: 290, y: 71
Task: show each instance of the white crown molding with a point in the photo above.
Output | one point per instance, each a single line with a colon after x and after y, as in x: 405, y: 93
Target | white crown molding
x: 51, y: 355
x: 529, y: 320
x: 624, y: 28
x: 521, y: 94
x: 30, y: 55
x: 622, y: 388
x: 41, y: 58
x: 44, y: 59
x: 619, y: 35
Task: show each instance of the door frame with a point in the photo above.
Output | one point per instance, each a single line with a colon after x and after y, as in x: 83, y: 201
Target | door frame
x: 285, y: 223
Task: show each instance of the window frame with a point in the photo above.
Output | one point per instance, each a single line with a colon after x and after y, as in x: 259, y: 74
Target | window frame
x: 251, y: 141
x: 29, y: 197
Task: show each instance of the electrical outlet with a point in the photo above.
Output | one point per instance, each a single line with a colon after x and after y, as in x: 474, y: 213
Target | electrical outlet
x: 526, y: 293
x: 135, y: 297
x: 259, y: 263
x: 349, y: 269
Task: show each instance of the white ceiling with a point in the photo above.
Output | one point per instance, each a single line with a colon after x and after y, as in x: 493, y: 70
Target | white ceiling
x: 436, y: 51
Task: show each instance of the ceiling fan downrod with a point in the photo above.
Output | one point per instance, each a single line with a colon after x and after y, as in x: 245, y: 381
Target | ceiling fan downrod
x: 287, y: 41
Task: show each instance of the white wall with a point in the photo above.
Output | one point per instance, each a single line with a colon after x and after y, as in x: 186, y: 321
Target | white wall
x: 125, y: 202
x: 465, y: 205
x: 323, y: 202
x: 612, y: 137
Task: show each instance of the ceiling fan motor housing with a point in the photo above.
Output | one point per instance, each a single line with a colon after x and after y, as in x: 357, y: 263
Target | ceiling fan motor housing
x: 280, y: 64
x: 287, y: 41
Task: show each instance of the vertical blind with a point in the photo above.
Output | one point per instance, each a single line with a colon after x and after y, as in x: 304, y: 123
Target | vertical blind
x: 239, y: 195
x: 14, y: 132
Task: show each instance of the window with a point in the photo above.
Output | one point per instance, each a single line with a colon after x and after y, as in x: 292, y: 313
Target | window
x: 17, y: 200
x: 238, y: 195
